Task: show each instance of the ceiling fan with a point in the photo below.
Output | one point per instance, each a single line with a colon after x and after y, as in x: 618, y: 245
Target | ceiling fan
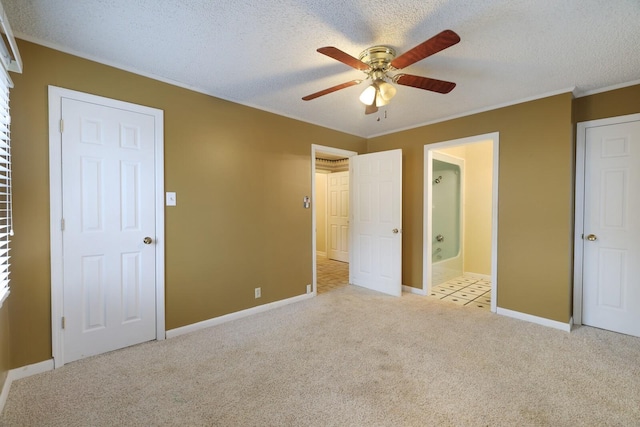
x: 378, y: 61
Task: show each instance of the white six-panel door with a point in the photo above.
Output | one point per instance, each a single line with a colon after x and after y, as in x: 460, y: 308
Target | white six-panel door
x: 108, y: 203
x: 338, y: 216
x: 376, y: 212
x: 611, y: 235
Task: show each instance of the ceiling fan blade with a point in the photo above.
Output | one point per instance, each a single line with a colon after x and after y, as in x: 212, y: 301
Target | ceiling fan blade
x: 435, y: 44
x: 345, y: 58
x: 331, y: 89
x: 425, y: 83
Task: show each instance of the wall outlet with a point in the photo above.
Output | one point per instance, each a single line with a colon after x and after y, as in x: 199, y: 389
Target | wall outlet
x: 308, y: 289
x: 258, y: 292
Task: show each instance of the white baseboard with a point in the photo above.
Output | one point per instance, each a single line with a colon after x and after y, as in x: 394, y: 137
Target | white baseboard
x: 23, y: 372
x: 321, y: 254
x: 27, y: 371
x: 535, y: 319
x: 412, y: 290
x: 5, y: 392
x: 234, y: 316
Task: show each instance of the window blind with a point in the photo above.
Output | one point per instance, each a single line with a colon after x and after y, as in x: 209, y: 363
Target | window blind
x: 6, y: 223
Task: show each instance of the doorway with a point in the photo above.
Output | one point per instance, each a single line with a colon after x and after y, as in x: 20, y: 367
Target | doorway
x: 375, y: 213
x: 469, y: 248
x: 330, y: 184
x: 107, y: 224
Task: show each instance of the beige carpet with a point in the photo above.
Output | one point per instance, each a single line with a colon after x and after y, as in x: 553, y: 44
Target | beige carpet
x: 349, y: 358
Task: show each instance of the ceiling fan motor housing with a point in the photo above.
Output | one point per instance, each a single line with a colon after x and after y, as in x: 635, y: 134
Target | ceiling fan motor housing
x: 378, y: 57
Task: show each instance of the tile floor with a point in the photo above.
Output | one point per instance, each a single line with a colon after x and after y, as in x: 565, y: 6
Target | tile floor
x: 331, y: 274
x: 466, y: 291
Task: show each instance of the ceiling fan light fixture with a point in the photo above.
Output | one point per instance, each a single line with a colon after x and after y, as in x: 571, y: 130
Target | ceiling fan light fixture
x: 380, y: 100
x: 368, y: 96
x: 379, y: 92
x: 386, y: 90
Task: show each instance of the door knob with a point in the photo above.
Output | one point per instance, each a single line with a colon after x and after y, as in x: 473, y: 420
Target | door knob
x: 395, y: 231
x: 147, y: 240
x: 592, y: 237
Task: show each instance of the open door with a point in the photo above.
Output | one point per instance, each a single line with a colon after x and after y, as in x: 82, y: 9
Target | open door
x: 376, y: 221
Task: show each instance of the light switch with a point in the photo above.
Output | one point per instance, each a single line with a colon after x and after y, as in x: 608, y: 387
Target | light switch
x: 171, y: 198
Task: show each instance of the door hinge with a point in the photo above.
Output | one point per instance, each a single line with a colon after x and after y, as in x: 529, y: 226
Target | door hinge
x: 61, y: 125
x: 63, y: 322
x: 62, y: 224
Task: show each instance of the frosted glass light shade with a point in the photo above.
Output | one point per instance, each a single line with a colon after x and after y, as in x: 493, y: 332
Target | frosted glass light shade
x: 368, y: 95
x: 380, y: 101
x: 387, y: 91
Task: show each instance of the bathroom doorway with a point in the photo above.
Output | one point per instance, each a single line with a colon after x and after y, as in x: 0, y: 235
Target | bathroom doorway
x: 460, y: 221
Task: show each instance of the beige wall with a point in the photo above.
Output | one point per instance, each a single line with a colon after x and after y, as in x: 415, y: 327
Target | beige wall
x: 619, y: 102
x: 220, y: 245
x: 534, y: 275
x: 321, y: 212
x: 478, y: 167
x: 240, y: 175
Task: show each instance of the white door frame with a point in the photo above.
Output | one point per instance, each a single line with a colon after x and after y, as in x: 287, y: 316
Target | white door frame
x: 330, y: 150
x: 55, y: 191
x: 578, y: 256
x: 427, y: 233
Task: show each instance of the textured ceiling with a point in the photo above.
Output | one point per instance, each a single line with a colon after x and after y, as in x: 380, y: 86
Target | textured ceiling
x: 263, y: 53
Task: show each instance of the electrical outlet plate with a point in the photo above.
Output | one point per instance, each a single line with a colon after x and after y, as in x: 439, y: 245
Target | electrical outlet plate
x: 258, y: 292
x: 308, y: 289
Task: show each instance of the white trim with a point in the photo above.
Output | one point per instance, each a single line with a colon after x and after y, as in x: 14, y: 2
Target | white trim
x: 606, y: 89
x: 318, y: 253
x: 5, y: 391
x: 55, y: 191
x: 4, y: 296
x: 578, y: 256
x: 412, y: 290
x: 426, y: 229
x: 535, y: 319
x: 329, y: 150
x: 23, y: 372
x: 172, y: 333
x: 29, y: 370
x: 478, y: 111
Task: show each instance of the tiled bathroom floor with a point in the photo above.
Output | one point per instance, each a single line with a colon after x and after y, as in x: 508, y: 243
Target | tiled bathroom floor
x: 466, y: 291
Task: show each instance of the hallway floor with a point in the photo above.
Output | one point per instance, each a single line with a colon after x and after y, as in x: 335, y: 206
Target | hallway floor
x: 466, y: 291
x: 331, y: 274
